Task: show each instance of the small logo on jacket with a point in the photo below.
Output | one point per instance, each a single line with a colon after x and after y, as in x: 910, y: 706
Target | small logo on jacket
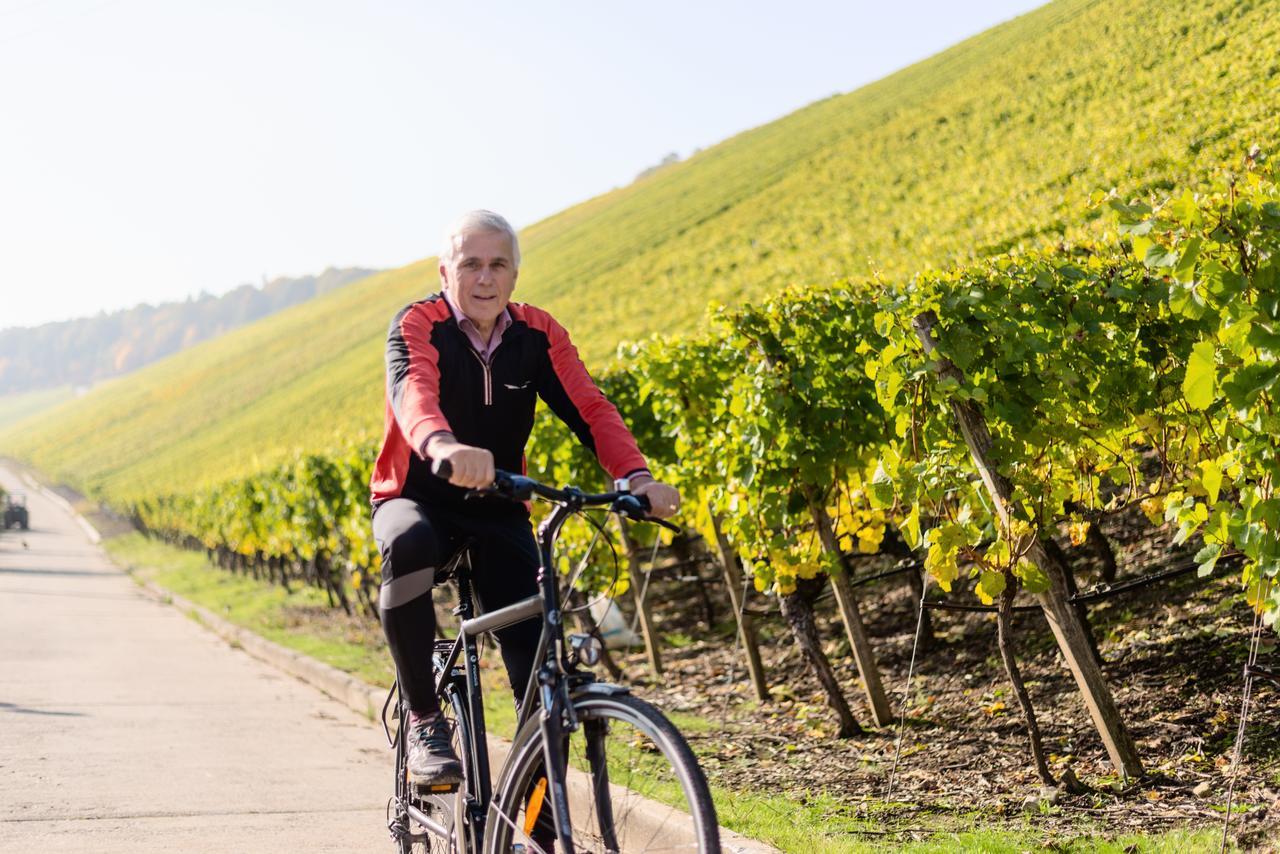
x: 517, y: 387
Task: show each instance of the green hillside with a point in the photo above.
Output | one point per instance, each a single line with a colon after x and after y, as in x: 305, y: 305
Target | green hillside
x: 989, y: 145
x: 16, y: 407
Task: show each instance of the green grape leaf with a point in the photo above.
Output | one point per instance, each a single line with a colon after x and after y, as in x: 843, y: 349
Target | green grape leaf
x: 1211, y: 479
x: 1207, y: 558
x: 881, y: 491
x: 912, y: 527
x: 1185, y: 271
x: 989, y: 586
x: 1198, y: 385
x: 1032, y: 576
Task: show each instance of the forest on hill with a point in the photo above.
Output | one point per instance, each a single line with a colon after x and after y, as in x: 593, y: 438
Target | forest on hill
x: 84, y: 351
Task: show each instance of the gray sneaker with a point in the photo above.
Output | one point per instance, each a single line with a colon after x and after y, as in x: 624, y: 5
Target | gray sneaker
x: 431, y: 759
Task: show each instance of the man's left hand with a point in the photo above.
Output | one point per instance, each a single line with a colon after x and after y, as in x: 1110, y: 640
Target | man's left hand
x: 664, y: 499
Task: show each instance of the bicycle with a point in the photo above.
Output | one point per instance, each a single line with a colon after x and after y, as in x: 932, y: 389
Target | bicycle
x: 622, y: 777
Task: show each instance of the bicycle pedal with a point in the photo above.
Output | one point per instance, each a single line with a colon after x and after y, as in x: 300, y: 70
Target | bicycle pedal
x: 435, y: 788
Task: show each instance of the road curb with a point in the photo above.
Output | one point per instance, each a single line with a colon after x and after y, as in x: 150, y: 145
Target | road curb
x: 89, y: 531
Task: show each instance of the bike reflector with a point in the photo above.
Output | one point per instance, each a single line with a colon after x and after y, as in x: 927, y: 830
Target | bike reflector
x: 534, y: 806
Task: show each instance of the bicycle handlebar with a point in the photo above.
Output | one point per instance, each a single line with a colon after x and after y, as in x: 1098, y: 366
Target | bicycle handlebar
x: 517, y: 487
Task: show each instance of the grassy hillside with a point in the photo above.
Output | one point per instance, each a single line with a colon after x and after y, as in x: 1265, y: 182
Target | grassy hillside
x: 991, y: 144
x: 17, y: 407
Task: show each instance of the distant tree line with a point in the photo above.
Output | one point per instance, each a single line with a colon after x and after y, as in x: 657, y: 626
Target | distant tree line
x: 88, y: 350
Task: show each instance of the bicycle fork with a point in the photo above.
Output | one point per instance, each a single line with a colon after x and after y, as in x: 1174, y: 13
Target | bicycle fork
x: 554, y: 753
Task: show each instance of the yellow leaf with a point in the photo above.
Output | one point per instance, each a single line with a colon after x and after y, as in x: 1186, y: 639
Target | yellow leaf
x: 942, y: 566
x: 1211, y: 479
x: 1153, y: 508
x: 1078, y: 529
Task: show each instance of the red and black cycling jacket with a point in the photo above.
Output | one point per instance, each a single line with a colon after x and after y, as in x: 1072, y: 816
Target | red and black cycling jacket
x: 437, y: 381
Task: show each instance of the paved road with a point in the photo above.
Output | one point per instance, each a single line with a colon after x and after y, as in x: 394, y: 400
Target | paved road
x: 126, y: 727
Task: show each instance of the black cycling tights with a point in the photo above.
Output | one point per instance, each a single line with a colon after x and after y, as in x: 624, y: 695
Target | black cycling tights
x: 414, y: 541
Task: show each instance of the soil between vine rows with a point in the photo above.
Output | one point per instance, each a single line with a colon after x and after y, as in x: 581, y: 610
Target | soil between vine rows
x: 1174, y: 653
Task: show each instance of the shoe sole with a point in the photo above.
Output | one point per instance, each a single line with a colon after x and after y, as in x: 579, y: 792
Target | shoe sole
x: 449, y: 778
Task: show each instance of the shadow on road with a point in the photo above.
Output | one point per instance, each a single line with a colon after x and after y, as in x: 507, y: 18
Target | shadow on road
x: 13, y: 570
x: 23, y: 710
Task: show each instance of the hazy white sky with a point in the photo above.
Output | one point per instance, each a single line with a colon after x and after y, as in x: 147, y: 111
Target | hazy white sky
x: 151, y: 149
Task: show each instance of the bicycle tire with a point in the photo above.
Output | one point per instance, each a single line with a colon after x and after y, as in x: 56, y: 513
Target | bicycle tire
x: 648, y: 765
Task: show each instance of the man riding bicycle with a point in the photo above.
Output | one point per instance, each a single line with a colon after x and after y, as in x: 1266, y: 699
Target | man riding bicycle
x: 464, y: 370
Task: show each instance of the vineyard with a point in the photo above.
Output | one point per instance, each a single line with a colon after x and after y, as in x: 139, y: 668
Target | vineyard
x: 993, y: 145
x: 969, y: 426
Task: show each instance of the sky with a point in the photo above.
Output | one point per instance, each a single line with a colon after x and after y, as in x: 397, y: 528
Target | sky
x: 154, y: 149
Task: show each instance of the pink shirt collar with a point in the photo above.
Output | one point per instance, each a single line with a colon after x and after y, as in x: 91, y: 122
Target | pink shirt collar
x: 484, y: 348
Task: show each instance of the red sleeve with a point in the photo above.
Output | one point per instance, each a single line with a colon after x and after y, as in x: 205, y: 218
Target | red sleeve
x: 571, y: 393
x: 413, y: 375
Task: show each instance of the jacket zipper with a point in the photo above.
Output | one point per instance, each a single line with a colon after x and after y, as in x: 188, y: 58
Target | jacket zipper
x: 488, y: 377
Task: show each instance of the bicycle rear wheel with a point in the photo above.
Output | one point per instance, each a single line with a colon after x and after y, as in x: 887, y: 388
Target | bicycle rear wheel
x: 446, y: 833
x: 634, y: 785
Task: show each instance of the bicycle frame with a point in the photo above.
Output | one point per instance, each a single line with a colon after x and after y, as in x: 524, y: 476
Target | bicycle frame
x: 548, y: 687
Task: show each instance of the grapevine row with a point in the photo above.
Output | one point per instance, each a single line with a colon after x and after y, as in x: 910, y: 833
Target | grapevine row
x: 966, y: 417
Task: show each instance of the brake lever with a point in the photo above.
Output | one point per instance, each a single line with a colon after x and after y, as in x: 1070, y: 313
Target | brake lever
x: 502, y: 487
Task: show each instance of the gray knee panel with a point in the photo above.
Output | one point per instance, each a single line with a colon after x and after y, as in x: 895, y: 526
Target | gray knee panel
x: 401, y: 591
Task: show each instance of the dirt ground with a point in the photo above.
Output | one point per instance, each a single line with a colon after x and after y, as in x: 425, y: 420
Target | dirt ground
x: 1173, y: 653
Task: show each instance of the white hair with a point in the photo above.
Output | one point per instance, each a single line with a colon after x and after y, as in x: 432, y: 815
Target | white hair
x: 479, y: 220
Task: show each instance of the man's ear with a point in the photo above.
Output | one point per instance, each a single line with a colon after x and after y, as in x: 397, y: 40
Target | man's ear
x: 444, y: 278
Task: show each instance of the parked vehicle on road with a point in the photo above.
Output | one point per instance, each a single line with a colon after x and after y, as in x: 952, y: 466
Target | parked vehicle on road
x: 15, y: 511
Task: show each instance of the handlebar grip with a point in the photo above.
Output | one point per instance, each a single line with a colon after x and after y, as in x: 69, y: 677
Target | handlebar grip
x: 442, y: 469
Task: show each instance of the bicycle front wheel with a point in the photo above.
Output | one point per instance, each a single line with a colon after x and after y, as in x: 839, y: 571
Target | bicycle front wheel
x: 633, y: 784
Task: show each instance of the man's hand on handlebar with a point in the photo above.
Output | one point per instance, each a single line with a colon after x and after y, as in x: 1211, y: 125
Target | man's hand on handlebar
x: 664, y: 499
x: 637, y: 503
x: 468, y: 466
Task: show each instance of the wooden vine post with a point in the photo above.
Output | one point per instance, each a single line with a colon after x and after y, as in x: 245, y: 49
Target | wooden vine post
x: 733, y: 579
x: 635, y: 572
x: 850, y: 615
x: 1070, y: 633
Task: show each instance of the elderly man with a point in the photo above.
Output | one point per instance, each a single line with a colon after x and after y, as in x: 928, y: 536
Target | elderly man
x: 464, y: 369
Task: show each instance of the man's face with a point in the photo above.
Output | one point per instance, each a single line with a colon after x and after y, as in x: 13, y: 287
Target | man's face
x: 481, y: 275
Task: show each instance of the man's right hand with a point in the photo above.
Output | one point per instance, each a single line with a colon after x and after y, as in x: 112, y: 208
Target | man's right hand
x: 472, y: 467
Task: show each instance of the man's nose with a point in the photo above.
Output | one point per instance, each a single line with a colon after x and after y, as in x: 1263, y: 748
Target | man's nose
x: 485, y: 276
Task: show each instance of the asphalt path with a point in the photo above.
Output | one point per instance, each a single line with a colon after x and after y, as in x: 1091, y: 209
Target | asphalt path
x: 127, y: 727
